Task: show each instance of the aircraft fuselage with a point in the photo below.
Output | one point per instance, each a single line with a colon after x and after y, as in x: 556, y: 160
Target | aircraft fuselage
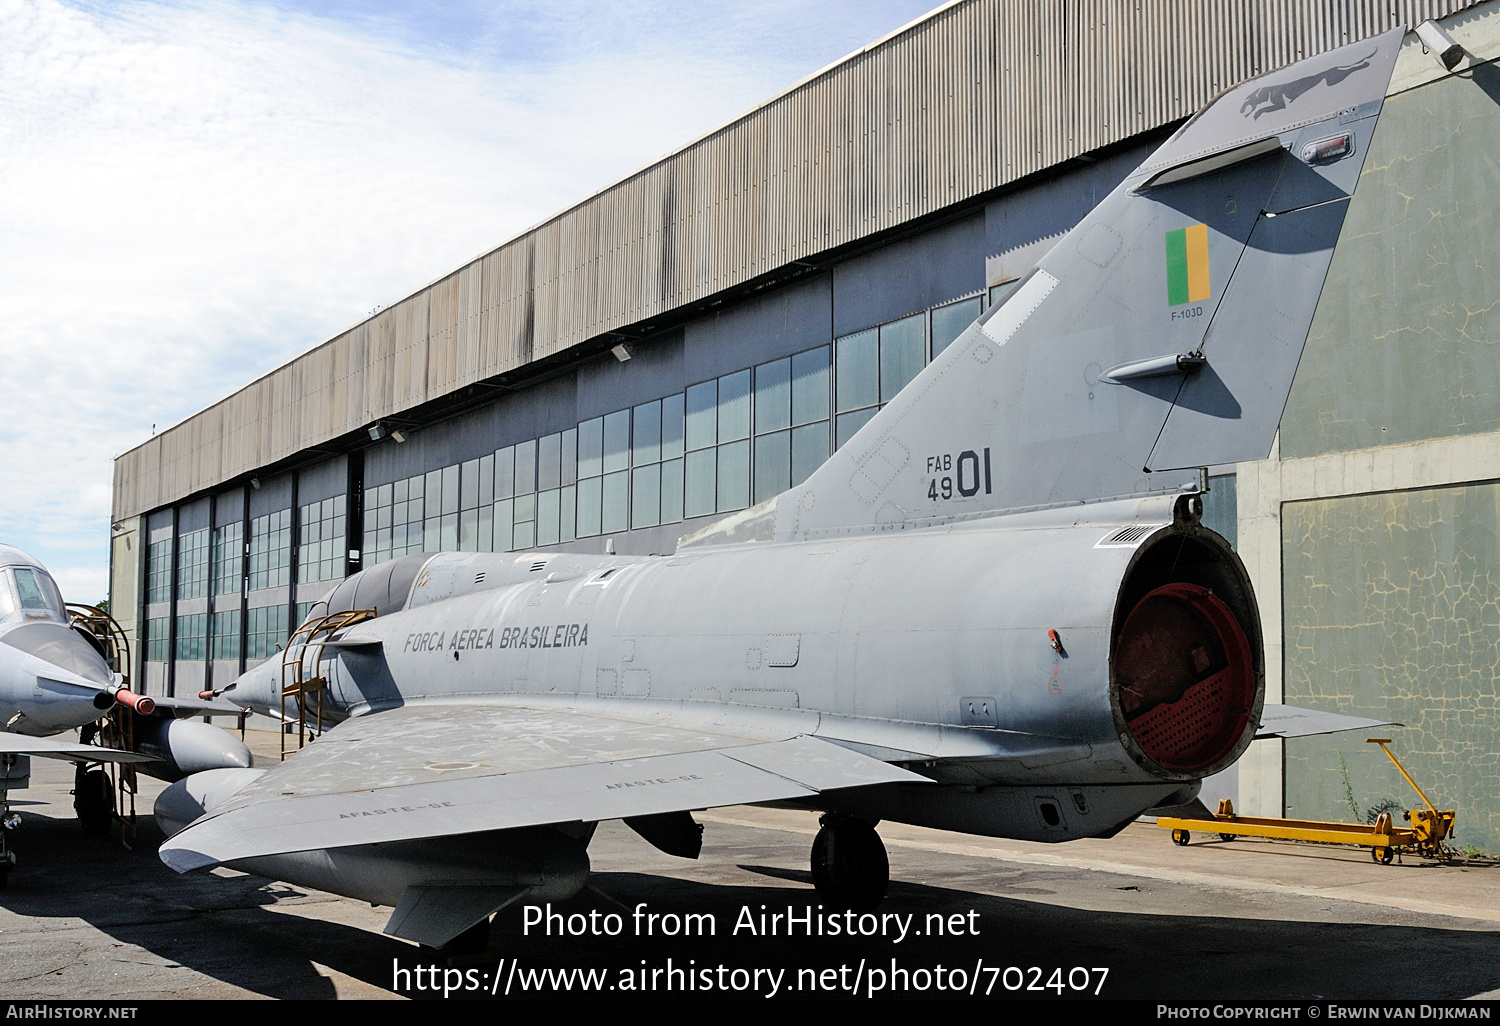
x: 927, y: 648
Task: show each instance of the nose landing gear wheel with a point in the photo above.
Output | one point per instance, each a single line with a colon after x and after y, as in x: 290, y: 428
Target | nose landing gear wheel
x: 94, y: 801
x: 849, y: 864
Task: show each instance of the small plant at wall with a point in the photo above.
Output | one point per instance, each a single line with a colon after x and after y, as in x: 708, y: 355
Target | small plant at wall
x: 1348, y: 787
x: 1391, y: 805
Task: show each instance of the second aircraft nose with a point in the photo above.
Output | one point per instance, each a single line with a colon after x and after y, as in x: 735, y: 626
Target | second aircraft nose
x: 64, y: 648
x: 258, y: 688
x: 55, y: 679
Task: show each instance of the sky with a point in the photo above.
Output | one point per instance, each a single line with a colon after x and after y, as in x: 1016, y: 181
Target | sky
x: 194, y: 193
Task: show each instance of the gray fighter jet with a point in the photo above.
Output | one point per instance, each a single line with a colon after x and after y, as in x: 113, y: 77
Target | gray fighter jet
x: 55, y: 676
x: 994, y: 610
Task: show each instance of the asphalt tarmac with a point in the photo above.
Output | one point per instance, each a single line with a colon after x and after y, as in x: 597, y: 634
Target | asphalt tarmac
x: 966, y: 917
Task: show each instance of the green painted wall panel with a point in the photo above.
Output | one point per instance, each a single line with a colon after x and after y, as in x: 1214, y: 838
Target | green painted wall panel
x: 1405, y: 344
x: 1392, y: 610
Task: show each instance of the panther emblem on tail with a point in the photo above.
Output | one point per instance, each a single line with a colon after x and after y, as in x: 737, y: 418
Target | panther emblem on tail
x: 1277, y: 95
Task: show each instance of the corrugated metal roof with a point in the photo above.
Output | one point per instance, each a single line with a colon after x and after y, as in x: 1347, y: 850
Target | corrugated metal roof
x: 976, y: 95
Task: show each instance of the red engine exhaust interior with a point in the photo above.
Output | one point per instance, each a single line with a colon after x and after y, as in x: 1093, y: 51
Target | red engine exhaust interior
x: 1185, y: 676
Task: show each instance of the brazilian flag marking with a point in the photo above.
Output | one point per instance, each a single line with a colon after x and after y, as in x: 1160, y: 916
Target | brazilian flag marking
x: 1187, y: 265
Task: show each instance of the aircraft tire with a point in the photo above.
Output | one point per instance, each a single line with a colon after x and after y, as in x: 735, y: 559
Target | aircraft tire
x: 849, y: 864
x: 93, y: 801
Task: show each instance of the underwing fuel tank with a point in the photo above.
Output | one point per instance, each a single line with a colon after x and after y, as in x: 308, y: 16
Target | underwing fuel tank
x: 182, y: 747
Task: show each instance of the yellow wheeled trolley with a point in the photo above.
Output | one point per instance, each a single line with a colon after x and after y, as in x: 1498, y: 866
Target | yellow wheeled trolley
x: 1427, y: 834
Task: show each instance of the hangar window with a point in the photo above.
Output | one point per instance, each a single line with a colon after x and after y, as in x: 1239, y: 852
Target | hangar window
x: 590, y: 481
x: 376, y: 545
x: 271, y: 550
x: 226, y: 635
x: 903, y: 354
x: 468, y: 504
x: 505, y: 491
x: 629, y: 467
x: 265, y: 629
x: 673, y: 414
x: 320, y: 540
x: 791, y: 421
x: 377, y: 504
x: 158, y: 639
x: 700, y: 466
x: 871, y: 366
x: 192, y: 564
x: 523, y: 522
x: 549, y: 474
x: 734, y: 442
x: 602, y: 475
x: 192, y: 631
x: 486, y: 502
x: 716, y: 467
x: 394, y: 519
x: 645, y: 484
x: 615, y: 515
x: 159, y: 572
x: 440, y: 519
x: 809, y: 412
x: 645, y: 462
x: 557, y: 474
x: 476, y: 518
x: 773, y: 435
x: 950, y: 320
x: 651, y: 424
x: 227, y: 555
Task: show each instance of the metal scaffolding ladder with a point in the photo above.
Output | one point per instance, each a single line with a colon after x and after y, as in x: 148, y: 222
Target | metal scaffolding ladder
x: 117, y: 731
x: 300, y: 679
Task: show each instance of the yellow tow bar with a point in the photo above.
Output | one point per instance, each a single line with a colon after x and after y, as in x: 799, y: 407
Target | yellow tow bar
x: 1427, y: 834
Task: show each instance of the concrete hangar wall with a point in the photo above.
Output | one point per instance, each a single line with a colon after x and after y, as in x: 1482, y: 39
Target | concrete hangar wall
x: 778, y: 280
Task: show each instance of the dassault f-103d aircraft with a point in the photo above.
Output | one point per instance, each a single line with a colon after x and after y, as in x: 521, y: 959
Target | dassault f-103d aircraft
x: 55, y: 676
x: 994, y: 610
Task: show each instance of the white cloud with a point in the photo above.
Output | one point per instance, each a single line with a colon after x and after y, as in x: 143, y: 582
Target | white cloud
x: 193, y: 194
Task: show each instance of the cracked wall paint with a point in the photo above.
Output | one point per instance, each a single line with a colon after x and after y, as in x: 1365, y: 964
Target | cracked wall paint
x: 1391, y: 606
x: 1405, y: 344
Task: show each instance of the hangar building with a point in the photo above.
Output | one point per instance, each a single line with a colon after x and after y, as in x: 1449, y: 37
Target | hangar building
x: 702, y: 334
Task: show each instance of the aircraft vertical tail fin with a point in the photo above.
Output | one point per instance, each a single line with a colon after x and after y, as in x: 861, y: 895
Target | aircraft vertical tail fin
x: 1160, y: 333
